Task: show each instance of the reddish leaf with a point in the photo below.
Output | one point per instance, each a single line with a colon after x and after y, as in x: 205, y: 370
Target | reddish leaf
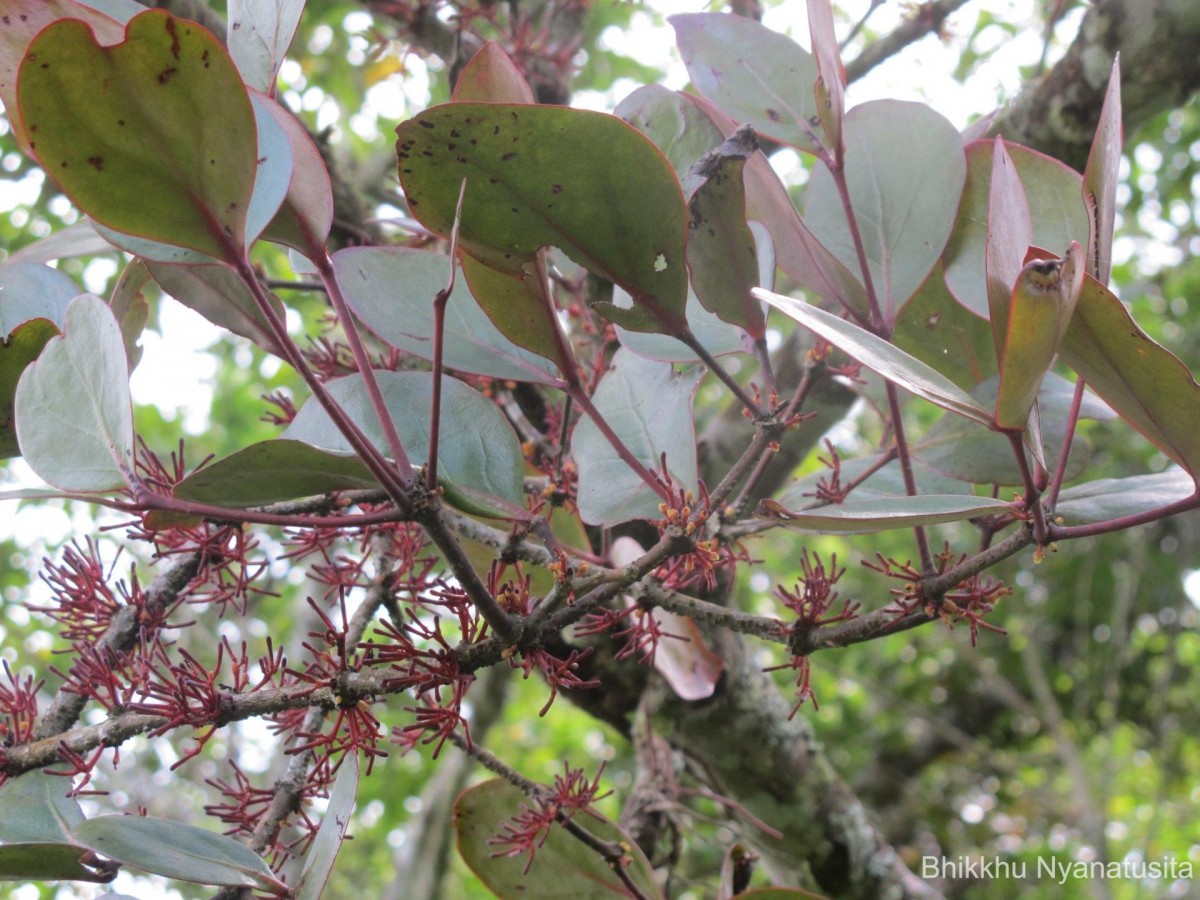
x: 492, y: 77
x: 1058, y: 216
x: 830, y: 88
x: 1009, y: 234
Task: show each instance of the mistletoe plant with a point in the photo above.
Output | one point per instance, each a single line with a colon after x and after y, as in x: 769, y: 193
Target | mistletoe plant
x: 510, y: 394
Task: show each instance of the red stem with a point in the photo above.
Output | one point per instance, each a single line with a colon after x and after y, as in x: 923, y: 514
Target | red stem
x: 383, y: 471
x: 906, y: 469
x: 363, y: 361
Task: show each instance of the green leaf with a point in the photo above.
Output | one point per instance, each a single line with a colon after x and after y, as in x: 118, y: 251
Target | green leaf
x: 1057, y: 214
x: 318, y: 864
x: 17, y: 351
x: 880, y: 356
x: 678, y: 128
x: 391, y: 289
x: 1100, y: 178
x: 757, y: 76
x: 492, y: 77
x: 74, y: 419
x: 650, y: 409
x: 519, y: 307
x: 777, y: 893
x: 167, y: 152
x: 1111, y: 498
x: 217, y: 293
x: 271, y: 472
x: 1147, y: 385
x: 904, y: 203
x: 966, y: 451
x: 939, y: 331
x: 478, y: 451
x: 721, y: 252
x: 800, y: 254
x: 868, y: 516
x: 1043, y: 300
x: 534, y: 180
x: 35, y: 808
x: 175, y: 850
x: 25, y: 18
x: 46, y: 862
x: 36, y: 818
x: 564, y: 867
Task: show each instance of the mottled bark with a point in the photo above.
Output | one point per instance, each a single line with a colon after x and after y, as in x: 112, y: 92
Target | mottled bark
x: 1160, y: 69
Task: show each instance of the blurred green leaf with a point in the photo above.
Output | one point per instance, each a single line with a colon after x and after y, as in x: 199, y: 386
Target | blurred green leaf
x: 565, y: 866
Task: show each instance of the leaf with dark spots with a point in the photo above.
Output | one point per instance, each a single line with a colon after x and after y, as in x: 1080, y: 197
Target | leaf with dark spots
x: 156, y: 181
x: 20, y: 30
x: 601, y: 220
